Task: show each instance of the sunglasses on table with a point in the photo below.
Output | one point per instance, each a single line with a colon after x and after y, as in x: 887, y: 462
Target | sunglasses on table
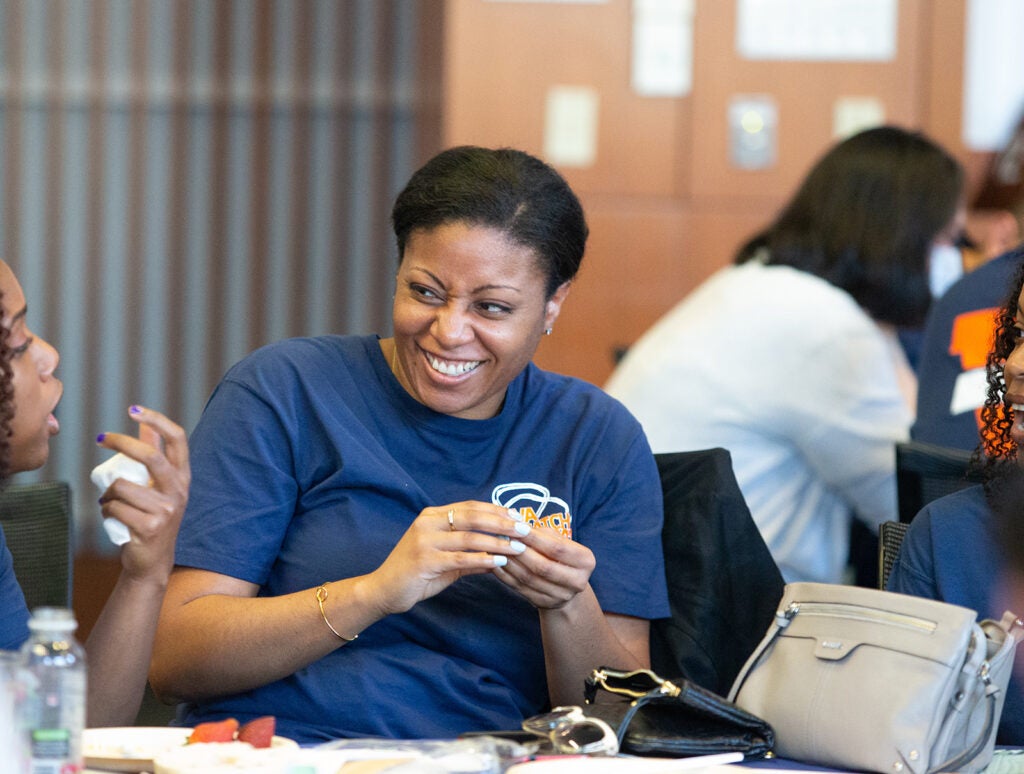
x: 571, y: 732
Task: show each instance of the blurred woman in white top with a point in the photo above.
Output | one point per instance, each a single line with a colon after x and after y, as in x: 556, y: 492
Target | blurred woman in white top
x: 789, y: 357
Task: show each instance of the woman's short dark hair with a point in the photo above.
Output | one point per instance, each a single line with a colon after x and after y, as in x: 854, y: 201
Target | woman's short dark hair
x: 504, y: 189
x: 864, y: 219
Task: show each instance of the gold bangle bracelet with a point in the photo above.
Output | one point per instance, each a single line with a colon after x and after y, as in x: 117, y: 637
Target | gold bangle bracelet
x: 321, y: 597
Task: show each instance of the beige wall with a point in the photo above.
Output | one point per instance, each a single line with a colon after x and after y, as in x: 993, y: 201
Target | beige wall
x: 665, y: 205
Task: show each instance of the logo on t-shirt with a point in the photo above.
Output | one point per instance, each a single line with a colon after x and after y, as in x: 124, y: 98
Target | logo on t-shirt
x: 536, y: 504
x: 970, y: 340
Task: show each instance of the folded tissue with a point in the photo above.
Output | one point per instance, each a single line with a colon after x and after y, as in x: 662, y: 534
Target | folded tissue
x: 105, y: 474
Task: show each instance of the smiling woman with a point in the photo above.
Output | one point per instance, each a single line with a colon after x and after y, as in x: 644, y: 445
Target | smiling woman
x: 433, y: 534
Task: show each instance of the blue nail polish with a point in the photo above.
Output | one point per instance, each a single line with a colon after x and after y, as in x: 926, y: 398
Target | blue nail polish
x: 516, y: 546
x: 100, y: 437
x: 500, y: 561
x: 522, y: 528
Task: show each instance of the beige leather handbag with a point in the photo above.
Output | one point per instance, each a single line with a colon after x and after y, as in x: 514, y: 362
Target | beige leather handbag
x: 857, y: 678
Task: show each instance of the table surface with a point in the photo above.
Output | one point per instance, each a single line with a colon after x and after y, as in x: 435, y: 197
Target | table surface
x: 350, y: 760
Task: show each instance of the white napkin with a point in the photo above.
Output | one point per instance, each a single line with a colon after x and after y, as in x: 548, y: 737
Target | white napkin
x: 105, y: 474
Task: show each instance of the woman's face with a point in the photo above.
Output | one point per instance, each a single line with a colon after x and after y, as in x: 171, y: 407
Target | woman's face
x: 36, y: 390
x: 1013, y: 377
x: 469, y: 313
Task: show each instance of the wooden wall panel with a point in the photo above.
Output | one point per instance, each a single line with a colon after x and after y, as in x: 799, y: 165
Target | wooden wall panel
x: 804, y: 92
x: 666, y: 206
x: 943, y: 94
x: 501, y: 58
x: 633, y: 271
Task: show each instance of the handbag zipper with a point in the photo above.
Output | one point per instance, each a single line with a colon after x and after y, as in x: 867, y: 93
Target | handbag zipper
x: 855, y: 613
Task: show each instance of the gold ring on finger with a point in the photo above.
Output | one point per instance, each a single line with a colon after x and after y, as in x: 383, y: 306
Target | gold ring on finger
x: 451, y: 519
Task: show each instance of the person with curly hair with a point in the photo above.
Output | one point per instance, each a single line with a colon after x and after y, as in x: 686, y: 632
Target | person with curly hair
x: 954, y: 547
x: 120, y: 643
x: 790, y: 357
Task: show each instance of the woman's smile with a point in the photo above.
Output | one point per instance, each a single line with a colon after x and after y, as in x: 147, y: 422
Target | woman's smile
x: 452, y: 367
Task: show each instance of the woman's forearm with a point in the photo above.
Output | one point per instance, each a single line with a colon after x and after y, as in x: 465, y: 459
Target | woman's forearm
x: 218, y: 643
x: 579, y: 637
x: 118, y: 652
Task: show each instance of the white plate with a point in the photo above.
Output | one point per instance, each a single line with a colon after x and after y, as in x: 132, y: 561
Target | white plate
x: 569, y: 764
x: 134, y: 748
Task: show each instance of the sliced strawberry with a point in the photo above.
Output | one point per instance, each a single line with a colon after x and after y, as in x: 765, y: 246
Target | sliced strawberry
x: 258, y: 732
x: 214, y: 731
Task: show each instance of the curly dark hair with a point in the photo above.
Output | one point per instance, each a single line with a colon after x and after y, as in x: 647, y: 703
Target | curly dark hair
x: 6, y: 400
x: 997, y: 447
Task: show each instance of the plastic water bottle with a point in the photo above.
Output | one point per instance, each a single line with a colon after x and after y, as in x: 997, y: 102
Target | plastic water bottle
x: 53, y: 710
x: 12, y: 748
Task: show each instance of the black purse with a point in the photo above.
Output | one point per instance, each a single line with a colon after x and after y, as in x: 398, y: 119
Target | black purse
x: 673, y: 718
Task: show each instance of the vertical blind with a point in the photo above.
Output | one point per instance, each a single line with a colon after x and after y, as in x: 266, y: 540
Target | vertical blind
x: 182, y: 181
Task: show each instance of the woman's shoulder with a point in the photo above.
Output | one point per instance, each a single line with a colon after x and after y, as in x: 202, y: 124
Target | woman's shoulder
x: 557, y: 386
x: 772, y: 295
x: 953, y: 516
x: 802, y: 287
x: 305, y: 352
x: 569, y: 396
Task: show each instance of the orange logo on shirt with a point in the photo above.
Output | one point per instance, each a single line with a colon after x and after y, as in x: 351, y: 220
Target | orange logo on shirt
x: 536, y: 505
x: 559, y: 522
x: 971, y: 340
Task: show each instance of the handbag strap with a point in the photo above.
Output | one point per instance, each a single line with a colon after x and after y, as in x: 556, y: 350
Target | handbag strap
x: 1011, y: 626
x: 782, y: 620
x: 969, y: 753
x: 640, y: 685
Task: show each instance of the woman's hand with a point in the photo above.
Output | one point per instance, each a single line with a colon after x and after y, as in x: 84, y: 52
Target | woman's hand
x: 151, y: 513
x: 551, y: 572
x: 443, y: 544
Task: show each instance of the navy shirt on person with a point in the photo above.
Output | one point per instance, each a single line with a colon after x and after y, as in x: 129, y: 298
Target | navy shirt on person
x: 951, y: 365
x: 311, y: 461
x: 13, y: 611
x: 951, y: 553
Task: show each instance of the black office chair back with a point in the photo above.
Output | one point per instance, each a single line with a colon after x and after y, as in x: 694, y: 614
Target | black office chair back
x: 723, y: 584
x: 37, y: 524
x: 926, y: 472
x: 890, y: 538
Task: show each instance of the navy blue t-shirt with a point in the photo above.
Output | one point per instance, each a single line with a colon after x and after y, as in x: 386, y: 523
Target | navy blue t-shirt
x: 311, y: 461
x: 13, y: 611
x: 951, y: 553
x: 953, y: 353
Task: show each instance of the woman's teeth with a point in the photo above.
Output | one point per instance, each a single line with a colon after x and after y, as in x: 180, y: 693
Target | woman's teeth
x: 452, y: 369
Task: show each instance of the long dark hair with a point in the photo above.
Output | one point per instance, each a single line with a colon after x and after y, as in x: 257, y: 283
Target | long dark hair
x: 864, y: 220
x: 6, y: 400
x: 997, y: 455
x: 504, y: 189
x: 997, y: 447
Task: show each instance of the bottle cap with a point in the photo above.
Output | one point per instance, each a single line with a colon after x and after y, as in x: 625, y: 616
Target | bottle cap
x: 57, y: 618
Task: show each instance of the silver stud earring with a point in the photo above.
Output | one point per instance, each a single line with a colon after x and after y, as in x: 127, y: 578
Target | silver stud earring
x: 547, y: 331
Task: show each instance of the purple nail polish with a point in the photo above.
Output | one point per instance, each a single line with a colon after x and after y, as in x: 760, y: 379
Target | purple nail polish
x: 100, y: 437
x: 135, y: 409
